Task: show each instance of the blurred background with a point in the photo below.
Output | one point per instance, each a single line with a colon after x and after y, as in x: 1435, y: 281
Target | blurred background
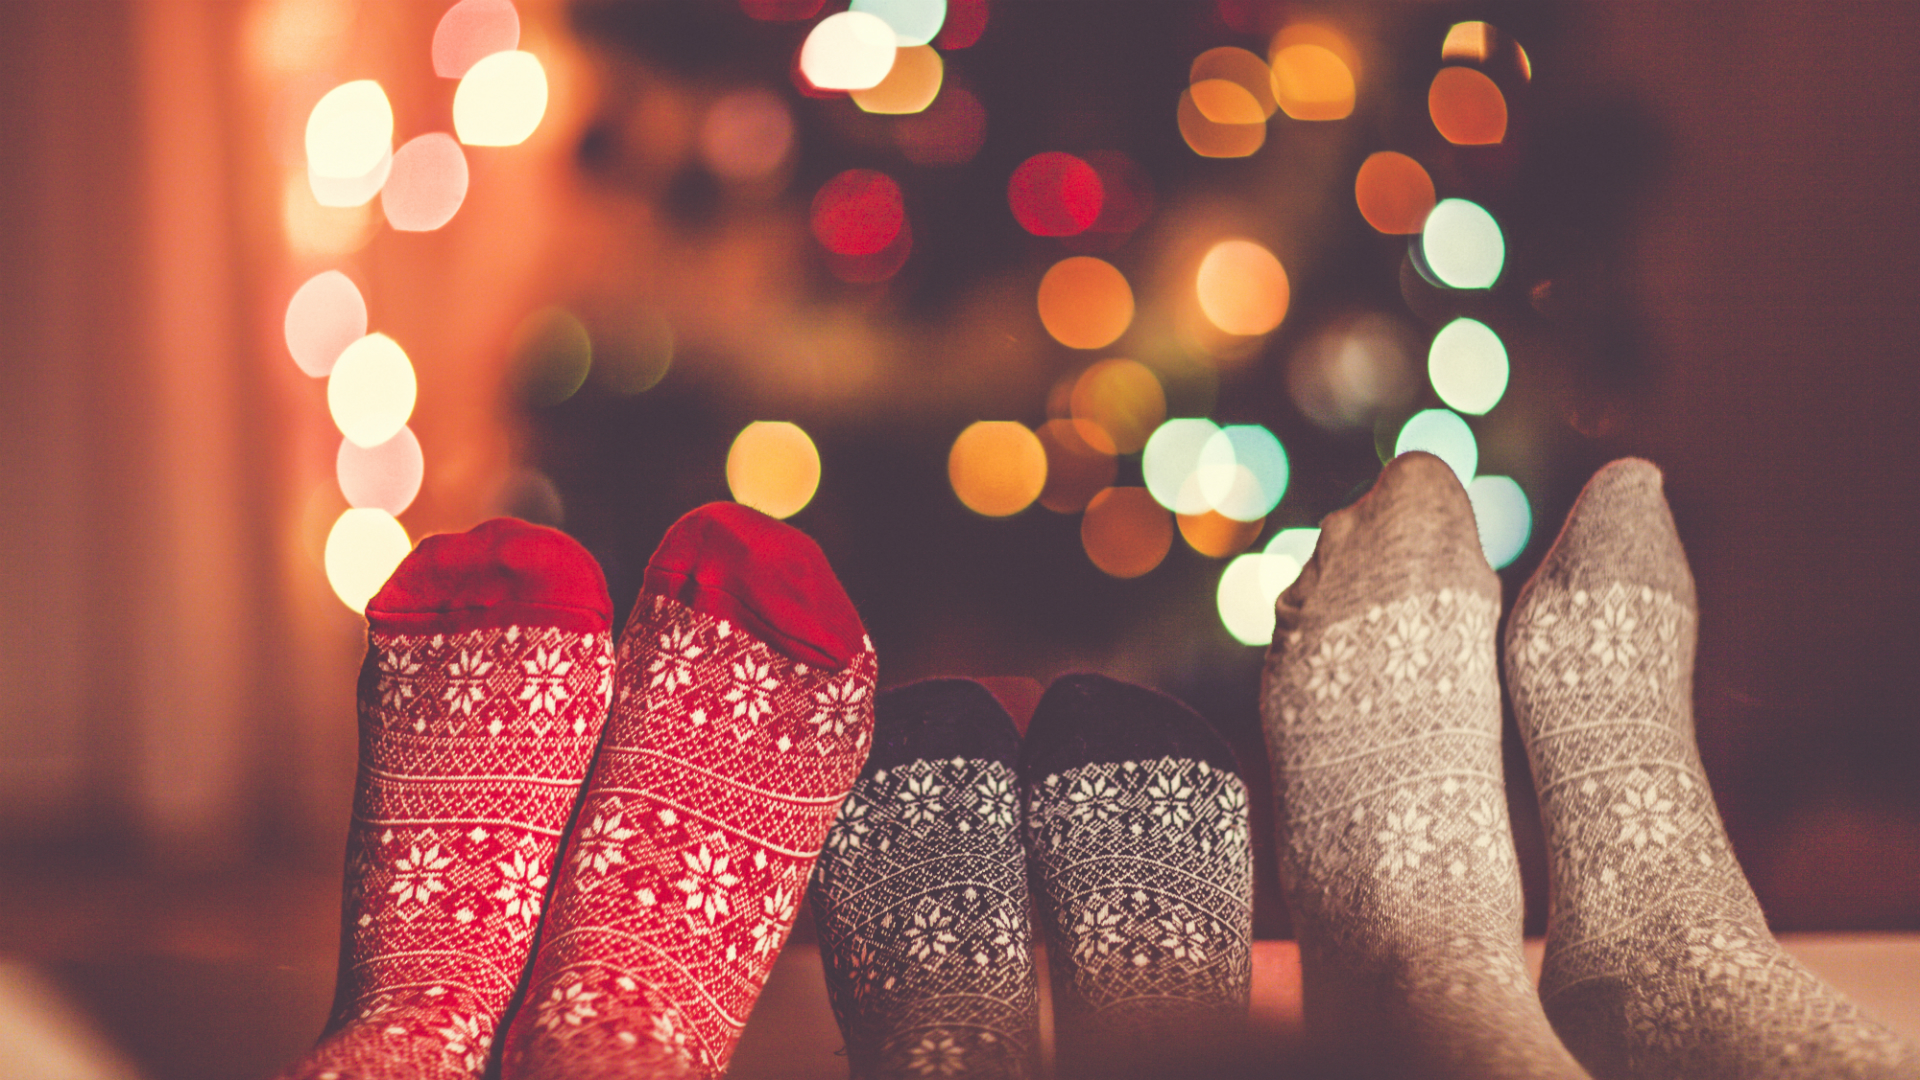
x: 1053, y: 323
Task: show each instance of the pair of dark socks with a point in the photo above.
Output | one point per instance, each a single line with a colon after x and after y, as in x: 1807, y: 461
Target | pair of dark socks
x: 1121, y: 814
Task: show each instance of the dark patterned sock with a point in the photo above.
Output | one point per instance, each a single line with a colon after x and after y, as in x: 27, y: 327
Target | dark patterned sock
x: 921, y: 894
x: 1137, y: 825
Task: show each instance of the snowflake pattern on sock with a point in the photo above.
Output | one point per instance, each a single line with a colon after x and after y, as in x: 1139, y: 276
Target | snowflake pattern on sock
x: 723, y: 765
x: 473, y: 747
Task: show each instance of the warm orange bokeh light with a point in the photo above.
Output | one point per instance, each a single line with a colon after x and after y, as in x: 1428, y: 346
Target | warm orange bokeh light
x: 1085, y: 303
x: 1394, y: 193
x: 1313, y: 72
x: 1217, y: 536
x: 1236, y: 66
x: 997, y: 467
x: 1242, y: 288
x: 1125, y: 532
x: 1483, y: 43
x: 909, y: 87
x: 1226, y: 102
x: 773, y: 467
x: 1076, y: 471
x: 1210, y: 139
x: 1467, y: 108
x: 1121, y: 402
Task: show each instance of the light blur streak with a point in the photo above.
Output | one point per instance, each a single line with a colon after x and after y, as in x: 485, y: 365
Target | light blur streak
x: 1462, y: 245
x: 325, y: 315
x: 364, y: 547
x: 910, y: 87
x: 914, y: 22
x: 349, y: 130
x: 1172, y: 458
x: 350, y: 191
x: 1468, y: 366
x: 1085, y: 303
x: 500, y: 100
x: 997, y: 467
x: 1505, y: 519
x: 1242, y: 288
x: 428, y: 185
x: 371, y: 390
x: 1444, y: 435
x: 385, y: 477
x: 773, y: 467
x: 472, y: 30
x: 851, y: 50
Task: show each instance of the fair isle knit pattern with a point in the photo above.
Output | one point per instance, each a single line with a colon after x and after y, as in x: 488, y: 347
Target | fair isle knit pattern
x: 723, y: 765
x: 473, y: 747
x: 1659, y: 961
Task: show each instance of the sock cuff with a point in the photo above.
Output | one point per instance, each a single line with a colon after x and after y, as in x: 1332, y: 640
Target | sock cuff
x: 502, y: 572
x: 735, y: 563
x: 1086, y: 719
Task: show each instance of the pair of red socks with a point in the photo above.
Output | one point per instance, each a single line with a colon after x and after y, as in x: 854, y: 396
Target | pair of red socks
x: 624, y: 891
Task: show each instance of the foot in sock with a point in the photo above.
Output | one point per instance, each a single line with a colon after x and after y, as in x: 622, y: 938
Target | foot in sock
x: 1137, y: 828
x: 488, y: 673
x: 1659, y: 962
x: 1382, y: 713
x: 744, y: 711
x: 920, y: 896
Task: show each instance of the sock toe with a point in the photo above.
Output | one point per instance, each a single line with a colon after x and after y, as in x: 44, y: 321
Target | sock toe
x: 1088, y: 719
x: 1619, y: 529
x: 715, y: 560
x: 939, y: 719
x: 502, y: 572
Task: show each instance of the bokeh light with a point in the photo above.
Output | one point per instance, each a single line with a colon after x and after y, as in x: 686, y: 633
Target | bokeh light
x: 1085, y: 303
x: 773, y: 467
x: 1171, y: 460
x: 1353, y: 371
x: 1239, y: 67
x: 500, y: 100
x: 858, y: 212
x: 997, y: 467
x: 1126, y: 192
x: 1467, y: 108
x: 364, y: 547
x: 1242, y: 288
x: 746, y: 135
x: 1468, y: 366
x: 914, y: 22
x: 1313, y: 72
x: 384, y: 477
x: 849, y: 50
x: 326, y: 315
x: 1505, y: 519
x: 1245, y: 606
x: 1125, y: 532
x: 1076, y: 469
x: 1394, y: 193
x: 1484, y: 43
x: 636, y: 355
x: 1462, y: 246
x: 371, y: 390
x: 321, y: 232
x: 877, y: 267
x: 1443, y: 434
x: 966, y: 21
x: 1055, y: 194
x: 1242, y: 471
x: 349, y: 130
x: 949, y: 132
x: 1224, y: 101
x: 338, y: 191
x: 1216, y: 535
x: 1215, y: 140
x: 1121, y: 402
x: 472, y: 30
x: 428, y: 185
x: 553, y: 354
x: 910, y: 87
x: 1286, y: 555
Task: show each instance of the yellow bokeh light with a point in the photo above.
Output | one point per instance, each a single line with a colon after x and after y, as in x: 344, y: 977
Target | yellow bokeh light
x: 1217, y: 536
x: 773, y: 467
x: 1467, y: 41
x: 371, y: 390
x: 997, y: 467
x: 1214, y: 140
x: 1237, y: 66
x: 363, y: 548
x: 1085, y: 303
x: 1226, y: 102
x: 1121, y: 402
x: 1313, y: 72
x: 1125, y: 532
x: 909, y: 87
x: 500, y: 100
x: 1242, y: 288
x: 850, y: 50
x: 349, y: 130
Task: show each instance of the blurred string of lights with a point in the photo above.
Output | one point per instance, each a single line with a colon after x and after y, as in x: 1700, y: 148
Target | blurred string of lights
x: 499, y: 100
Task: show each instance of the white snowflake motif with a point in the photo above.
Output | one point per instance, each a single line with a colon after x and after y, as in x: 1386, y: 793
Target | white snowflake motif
x: 601, y: 845
x: 1613, y: 627
x: 936, y: 1055
x: 1097, y: 931
x: 1007, y: 932
x: 419, y: 874
x: 467, y: 682
x: 838, y: 711
x: 707, y: 881
x: 1231, y: 820
x: 1184, y: 935
x: 546, y: 685
x: 1328, y: 674
x: 776, y: 914
x: 570, y: 1006
x: 397, y: 670
x: 1404, y: 840
x: 520, y: 889
x: 1658, y: 1026
x: 920, y: 800
x: 1645, y: 815
x: 466, y: 1041
x: 929, y: 934
x: 996, y: 804
x: 672, y: 664
x: 666, y: 1032
x: 1171, y: 800
x: 850, y: 827
x: 1093, y: 797
x: 751, y: 684
x: 1487, y: 834
x: 1723, y: 955
x: 1406, y: 643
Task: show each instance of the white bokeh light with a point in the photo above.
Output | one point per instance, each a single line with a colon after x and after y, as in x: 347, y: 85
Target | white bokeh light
x: 851, y: 50
x: 1505, y: 519
x: 349, y: 130
x: 1443, y: 434
x: 1462, y: 245
x: 1468, y: 366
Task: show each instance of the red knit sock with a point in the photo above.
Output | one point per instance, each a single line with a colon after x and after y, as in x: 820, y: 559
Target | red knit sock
x: 744, y: 713
x: 488, y: 673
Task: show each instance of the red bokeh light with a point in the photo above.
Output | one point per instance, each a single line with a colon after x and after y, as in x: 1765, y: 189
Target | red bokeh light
x: 966, y: 21
x: 1127, y: 192
x: 948, y: 133
x: 1055, y: 194
x: 859, y: 212
x: 877, y: 267
x: 782, y: 10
